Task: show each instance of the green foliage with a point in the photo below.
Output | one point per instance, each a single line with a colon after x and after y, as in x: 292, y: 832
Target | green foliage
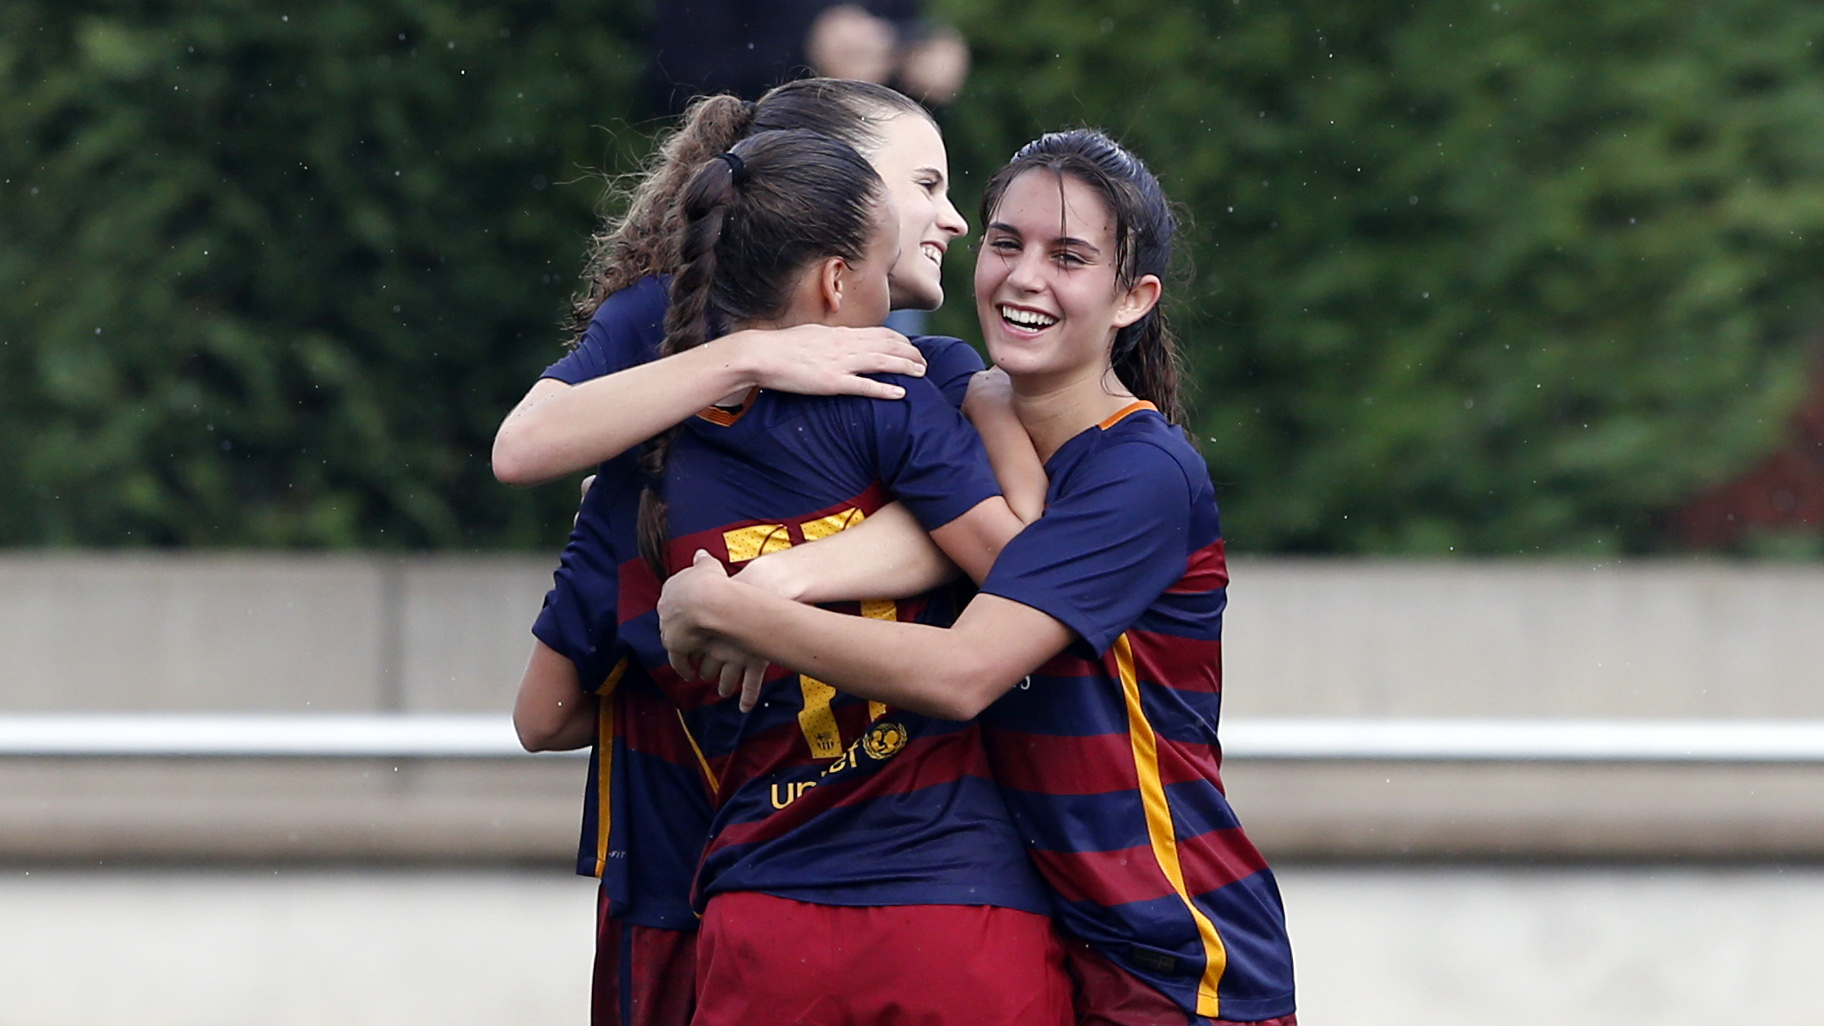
x: 272, y: 278
x: 1471, y: 277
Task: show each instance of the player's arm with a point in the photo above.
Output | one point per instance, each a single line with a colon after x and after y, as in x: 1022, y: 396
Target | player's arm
x: 559, y: 428
x: 1016, y: 463
x: 886, y: 556
x: 953, y: 672
x: 552, y: 713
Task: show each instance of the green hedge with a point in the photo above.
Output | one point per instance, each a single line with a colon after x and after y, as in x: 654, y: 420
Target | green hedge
x: 1471, y: 277
x: 273, y: 278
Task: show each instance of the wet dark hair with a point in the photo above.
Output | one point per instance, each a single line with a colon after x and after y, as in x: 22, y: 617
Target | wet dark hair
x: 644, y: 240
x: 752, y: 220
x: 1145, y: 353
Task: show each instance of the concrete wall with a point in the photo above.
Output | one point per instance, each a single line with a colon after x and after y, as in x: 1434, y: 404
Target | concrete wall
x: 1304, y: 638
x: 264, y: 633
x: 1649, y: 639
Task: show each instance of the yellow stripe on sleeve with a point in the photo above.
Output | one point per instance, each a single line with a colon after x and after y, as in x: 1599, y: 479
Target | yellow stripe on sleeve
x: 1160, y: 831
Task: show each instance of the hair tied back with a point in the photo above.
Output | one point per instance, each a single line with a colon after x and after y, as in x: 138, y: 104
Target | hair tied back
x: 737, y: 171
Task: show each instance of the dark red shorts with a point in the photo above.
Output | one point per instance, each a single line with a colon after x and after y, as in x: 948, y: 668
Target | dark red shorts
x: 766, y: 961
x: 1108, y: 995
x: 644, y: 976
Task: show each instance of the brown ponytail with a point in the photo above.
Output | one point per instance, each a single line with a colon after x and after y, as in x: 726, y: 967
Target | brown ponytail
x: 644, y: 240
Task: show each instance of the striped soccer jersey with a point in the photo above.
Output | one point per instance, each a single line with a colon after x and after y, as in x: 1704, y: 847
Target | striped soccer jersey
x: 647, y: 808
x: 1108, y: 755
x: 822, y: 797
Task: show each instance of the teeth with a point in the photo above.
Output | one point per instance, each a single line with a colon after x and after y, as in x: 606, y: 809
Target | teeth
x: 1027, y: 318
x: 932, y: 253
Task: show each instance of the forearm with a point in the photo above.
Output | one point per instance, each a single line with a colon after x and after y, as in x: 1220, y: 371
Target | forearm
x: 910, y: 666
x: 975, y: 540
x: 552, y: 713
x: 886, y: 556
x: 1016, y: 463
x: 560, y: 429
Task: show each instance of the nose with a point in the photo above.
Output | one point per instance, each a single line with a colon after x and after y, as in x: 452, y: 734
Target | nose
x: 949, y: 219
x: 1027, y: 271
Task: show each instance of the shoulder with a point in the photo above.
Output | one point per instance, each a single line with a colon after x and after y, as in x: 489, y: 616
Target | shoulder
x: 626, y: 330
x: 1142, y: 450
x: 949, y: 364
x: 638, y: 305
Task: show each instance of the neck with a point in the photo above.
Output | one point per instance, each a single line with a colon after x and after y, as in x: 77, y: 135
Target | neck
x: 1055, y: 411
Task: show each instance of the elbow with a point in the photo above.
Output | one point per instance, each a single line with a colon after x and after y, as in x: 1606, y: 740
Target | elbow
x: 965, y: 693
x: 533, y: 737
x: 512, y: 465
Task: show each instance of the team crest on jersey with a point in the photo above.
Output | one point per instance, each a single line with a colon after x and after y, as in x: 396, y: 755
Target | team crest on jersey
x: 884, y: 740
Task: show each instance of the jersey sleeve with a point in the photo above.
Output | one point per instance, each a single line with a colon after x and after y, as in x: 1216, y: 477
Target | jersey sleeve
x: 578, y: 620
x: 1110, y: 543
x: 949, y: 364
x: 927, y: 455
x: 625, y: 332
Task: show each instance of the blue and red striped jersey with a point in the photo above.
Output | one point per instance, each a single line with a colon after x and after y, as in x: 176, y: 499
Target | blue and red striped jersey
x: 822, y: 797
x: 1108, y: 755
x: 647, y: 810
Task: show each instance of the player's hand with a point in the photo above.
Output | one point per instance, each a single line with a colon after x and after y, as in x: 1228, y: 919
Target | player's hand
x: 990, y: 395
x: 769, y: 573
x: 681, y: 629
x: 733, y: 669
x: 588, y: 483
x: 816, y: 359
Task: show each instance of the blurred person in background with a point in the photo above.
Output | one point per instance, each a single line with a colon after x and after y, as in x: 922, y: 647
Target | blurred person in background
x: 745, y: 47
x: 701, y: 47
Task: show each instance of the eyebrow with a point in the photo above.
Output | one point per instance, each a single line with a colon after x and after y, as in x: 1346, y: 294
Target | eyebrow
x: 1062, y: 240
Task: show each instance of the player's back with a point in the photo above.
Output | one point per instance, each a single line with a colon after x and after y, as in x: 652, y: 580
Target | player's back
x: 822, y: 797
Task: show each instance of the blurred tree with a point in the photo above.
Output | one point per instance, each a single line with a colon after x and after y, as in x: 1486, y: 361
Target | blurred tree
x: 1473, y: 277
x: 272, y: 278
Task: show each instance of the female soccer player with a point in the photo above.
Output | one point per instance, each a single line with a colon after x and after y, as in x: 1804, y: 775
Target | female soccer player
x: 861, y: 866
x: 647, y: 817
x: 1106, y: 613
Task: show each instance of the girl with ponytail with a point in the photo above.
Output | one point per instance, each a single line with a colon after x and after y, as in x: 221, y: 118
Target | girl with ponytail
x: 861, y: 866
x: 602, y: 399
x: 1106, y: 612
x: 646, y: 814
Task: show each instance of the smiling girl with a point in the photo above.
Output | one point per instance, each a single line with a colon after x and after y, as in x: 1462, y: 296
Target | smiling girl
x: 1106, y: 613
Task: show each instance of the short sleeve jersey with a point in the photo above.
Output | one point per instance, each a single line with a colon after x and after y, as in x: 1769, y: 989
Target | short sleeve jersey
x: 1108, y: 755
x: 822, y: 797
x: 647, y: 811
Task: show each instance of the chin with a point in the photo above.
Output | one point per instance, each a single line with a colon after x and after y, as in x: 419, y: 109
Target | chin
x: 918, y: 296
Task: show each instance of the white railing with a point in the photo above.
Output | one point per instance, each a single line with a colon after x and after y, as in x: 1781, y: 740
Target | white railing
x: 1302, y: 740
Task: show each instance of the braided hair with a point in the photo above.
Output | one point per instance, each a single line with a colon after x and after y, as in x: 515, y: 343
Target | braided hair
x: 644, y: 241
x: 751, y: 222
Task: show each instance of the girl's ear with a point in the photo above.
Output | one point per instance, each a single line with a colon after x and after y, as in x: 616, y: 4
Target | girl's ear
x: 1138, y: 300
x: 832, y: 276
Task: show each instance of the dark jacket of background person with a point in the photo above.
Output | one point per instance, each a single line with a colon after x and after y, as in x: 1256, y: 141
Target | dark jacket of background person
x: 743, y: 47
